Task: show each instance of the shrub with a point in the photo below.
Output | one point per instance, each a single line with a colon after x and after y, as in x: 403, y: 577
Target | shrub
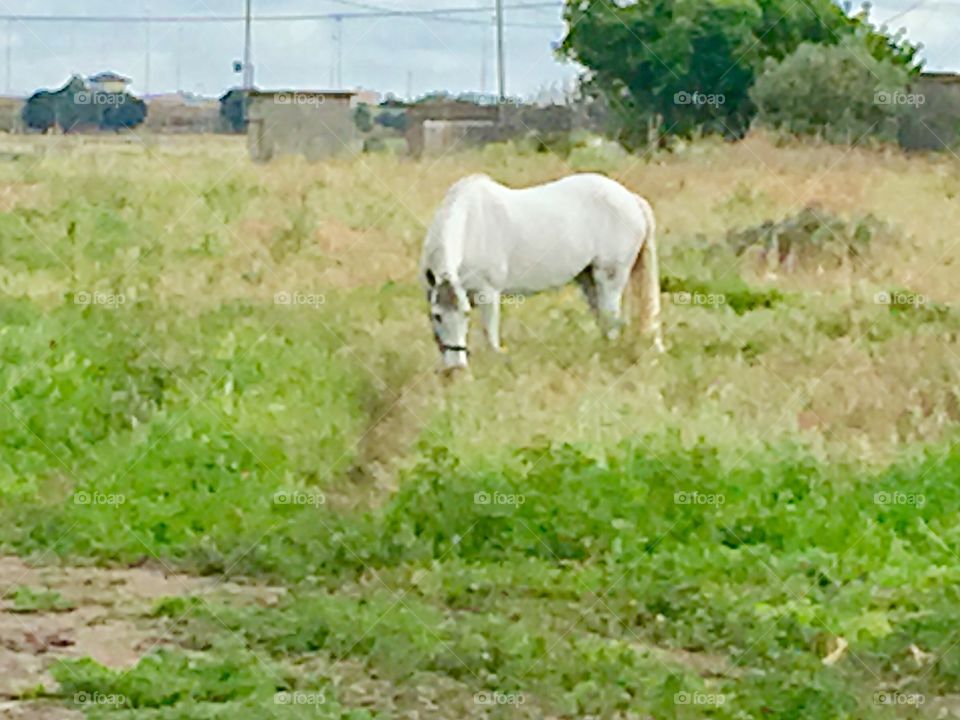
x: 839, y: 92
x: 39, y: 112
x: 813, y: 234
x: 76, y: 106
x: 233, y: 110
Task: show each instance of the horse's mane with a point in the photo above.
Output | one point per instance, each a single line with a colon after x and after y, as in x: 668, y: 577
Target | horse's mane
x: 449, y: 212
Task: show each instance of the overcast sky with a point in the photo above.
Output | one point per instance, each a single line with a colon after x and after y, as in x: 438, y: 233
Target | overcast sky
x: 387, y: 54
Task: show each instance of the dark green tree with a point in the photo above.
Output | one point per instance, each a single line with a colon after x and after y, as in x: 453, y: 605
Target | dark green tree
x: 397, y: 120
x: 123, y: 114
x: 39, y: 112
x: 77, y: 106
x: 363, y: 118
x: 681, y: 66
x: 233, y: 110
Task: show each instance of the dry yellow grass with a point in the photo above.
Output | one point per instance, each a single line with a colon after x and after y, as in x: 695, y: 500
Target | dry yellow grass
x: 220, y: 229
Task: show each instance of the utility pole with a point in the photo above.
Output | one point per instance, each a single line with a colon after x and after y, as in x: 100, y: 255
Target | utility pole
x: 9, y: 54
x: 338, y: 50
x: 484, y: 52
x: 146, y: 50
x: 179, y: 56
x: 501, y: 70
x: 247, y: 51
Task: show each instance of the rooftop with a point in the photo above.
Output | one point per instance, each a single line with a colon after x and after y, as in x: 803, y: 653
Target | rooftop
x: 108, y: 77
x: 303, y: 93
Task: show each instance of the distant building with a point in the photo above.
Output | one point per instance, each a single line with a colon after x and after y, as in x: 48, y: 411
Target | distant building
x: 108, y: 82
x: 435, y: 127
x: 366, y: 97
x: 315, y: 124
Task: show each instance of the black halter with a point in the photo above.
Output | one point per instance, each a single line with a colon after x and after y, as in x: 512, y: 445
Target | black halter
x: 450, y: 348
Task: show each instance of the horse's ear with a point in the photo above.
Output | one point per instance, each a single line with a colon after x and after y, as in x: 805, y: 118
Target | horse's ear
x: 431, y: 278
x: 446, y: 294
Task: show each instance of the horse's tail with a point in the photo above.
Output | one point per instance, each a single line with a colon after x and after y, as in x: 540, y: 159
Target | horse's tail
x: 645, y: 279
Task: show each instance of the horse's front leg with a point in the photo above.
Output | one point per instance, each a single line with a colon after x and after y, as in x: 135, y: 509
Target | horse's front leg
x: 489, y: 301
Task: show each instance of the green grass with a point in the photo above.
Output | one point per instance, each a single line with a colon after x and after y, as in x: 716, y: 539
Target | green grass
x: 29, y: 600
x: 581, y: 525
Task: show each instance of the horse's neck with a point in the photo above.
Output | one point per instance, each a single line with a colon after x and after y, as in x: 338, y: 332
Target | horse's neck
x: 448, y: 241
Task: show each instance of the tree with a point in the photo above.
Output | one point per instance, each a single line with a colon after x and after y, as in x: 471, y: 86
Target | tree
x: 74, y: 106
x: 125, y: 114
x: 363, y: 118
x: 233, y: 110
x: 840, y: 92
x: 396, y: 120
x: 680, y: 66
x: 39, y: 112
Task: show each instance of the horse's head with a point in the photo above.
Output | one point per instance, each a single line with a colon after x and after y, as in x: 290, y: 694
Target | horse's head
x: 449, y: 315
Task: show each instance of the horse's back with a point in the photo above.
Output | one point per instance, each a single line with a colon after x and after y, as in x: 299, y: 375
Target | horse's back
x: 549, y: 233
x: 527, y: 239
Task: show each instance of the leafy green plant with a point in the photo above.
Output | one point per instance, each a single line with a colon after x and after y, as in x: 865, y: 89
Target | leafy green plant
x: 29, y: 600
x: 812, y: 235
x: 841, y: 92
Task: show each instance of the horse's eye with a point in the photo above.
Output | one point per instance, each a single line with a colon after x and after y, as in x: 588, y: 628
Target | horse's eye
x: 436, y: 317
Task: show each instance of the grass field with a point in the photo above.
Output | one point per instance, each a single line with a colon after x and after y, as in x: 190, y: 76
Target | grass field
x: 225, y: 451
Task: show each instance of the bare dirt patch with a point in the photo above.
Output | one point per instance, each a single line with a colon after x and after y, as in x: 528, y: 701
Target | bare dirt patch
x: 106, y: 618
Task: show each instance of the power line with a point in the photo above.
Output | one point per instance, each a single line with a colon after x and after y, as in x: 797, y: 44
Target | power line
x: 900, y: 14
x: 434, y: 13
x: 439, y: 17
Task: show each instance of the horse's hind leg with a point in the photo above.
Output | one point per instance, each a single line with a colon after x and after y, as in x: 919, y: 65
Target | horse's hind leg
x: 589, y: 287
x: 610, y: 284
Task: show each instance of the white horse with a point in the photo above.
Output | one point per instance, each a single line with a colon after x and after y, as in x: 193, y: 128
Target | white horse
x: 487, y: 240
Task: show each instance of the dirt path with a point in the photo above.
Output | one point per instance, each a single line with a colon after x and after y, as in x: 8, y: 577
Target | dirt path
x: 103, y: 614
